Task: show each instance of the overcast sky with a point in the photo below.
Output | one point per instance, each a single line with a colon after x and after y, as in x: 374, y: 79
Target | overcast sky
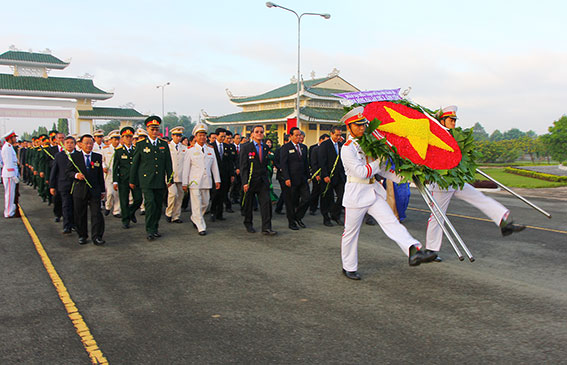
x: 503, y: 63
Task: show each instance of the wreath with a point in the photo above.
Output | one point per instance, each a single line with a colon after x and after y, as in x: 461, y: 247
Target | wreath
x: 379, y: 145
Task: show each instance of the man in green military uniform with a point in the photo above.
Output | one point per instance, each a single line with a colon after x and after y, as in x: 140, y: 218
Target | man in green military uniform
x: 153, y: 173
x: 121, y: 165
x: 44, y: 168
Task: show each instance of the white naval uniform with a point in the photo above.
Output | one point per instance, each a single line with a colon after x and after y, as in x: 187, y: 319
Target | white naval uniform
x: 175, y: 191
x: 98, y: 147
x: 9, y: 178
x: 364, y: 196
x: 490, y: 207
x: 199, y: 166
x: 112, y: 199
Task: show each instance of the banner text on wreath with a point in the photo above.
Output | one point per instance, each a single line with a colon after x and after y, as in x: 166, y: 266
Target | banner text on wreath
x: 361, y: 97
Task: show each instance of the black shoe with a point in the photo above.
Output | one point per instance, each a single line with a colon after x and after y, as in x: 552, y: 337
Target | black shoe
x: 438, y: 259
x: 353, y: 275
x: 300, y: 223
x: 250, y: 230
x: 143, y: 212
x: 269, y: 232
x: 430, y: 256
x: 67, y: 231
x: 99, y: 241
x: 125, y: 226
x: 293, y: 226
x: 327, y: 223
x: 339, y: 221
x: 168, y: 219
x: 106, y: 212
x: 150, y: 237
x: 57, y: 219
x: 370, y: 221
x: 156, y: 235
x: 202, y: 233
x: 416, y: 257
x: 133, y: 218
x: 83, y: 240
x: 177, y: 221
x: 508, y: 227
x: 118, y: 216
x: 229, y: 210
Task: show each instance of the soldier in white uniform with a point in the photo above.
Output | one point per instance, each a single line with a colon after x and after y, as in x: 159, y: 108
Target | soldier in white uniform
x: 199, y: 166
x: 498, y: 213
x: 112, y: 203
x: 175, y: 192
x: 363, y: 194
x: 98, y: 136
x: 10, y: 174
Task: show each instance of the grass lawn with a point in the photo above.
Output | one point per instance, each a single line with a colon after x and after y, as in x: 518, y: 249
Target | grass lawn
x: 517, y: 181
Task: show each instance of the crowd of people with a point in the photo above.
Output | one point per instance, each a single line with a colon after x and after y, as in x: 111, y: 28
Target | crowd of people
x: 139, y: 170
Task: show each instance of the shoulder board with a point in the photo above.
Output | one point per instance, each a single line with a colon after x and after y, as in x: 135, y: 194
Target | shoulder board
x: 118, y: 147
x: 348, y: 142
x: 105, y: 147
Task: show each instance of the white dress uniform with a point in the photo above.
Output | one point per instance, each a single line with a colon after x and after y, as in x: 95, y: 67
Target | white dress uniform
x: 490, y: 207
x: 199, y: 166
x: 9, y: 178
x: 112, y: 199
x: 364, y: 195
x: 175, y: 191
x: 98, y: 147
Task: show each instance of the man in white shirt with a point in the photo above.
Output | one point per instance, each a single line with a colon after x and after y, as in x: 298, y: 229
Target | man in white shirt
x: 98, y: 136
x: 199, y: 166
x: 112, y: 203
x: 10, y: 174
x: 175, y: 192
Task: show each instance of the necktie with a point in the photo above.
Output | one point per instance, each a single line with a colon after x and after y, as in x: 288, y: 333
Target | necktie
x: 220, y: 150
x: 177, y: 147
x: 88, y: 162
x: 203, y: 149
x: 237, y: 148
x: 336, y: 148
x: 260, y: 151
x: 298, y: 149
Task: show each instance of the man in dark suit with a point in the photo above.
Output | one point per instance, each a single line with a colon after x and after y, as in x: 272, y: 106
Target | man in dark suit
x: 315, y: 173
x: 85, y: 168
x: 231, y: 148
x: 255, y: 181
x: 281, y: 199
x: 333, y: 178
x: 237, y: 184
x: 152, y: 171
x: 56, y: 147
x: 225, y: 163
x: 60, y: 184
x: 295, y: 171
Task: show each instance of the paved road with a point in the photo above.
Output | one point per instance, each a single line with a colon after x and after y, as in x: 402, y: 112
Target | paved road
x: 234, y: 297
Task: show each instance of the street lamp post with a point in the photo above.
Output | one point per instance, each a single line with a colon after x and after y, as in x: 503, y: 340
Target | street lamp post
x: 270, y: 4
x: 162, y: 105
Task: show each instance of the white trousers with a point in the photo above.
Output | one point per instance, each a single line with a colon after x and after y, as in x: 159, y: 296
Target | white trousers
x: 174, y: 200
x: 199, y: 202
x: 9, y: 196
x: 112, y: 200
x: 490, y: 207
x: 382, y: 213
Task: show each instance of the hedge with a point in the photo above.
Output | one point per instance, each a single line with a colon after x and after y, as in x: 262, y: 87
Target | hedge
x: 536, y: 175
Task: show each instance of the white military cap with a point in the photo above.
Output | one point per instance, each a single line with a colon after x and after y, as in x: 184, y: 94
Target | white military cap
x: 449, y: 112
x: 114, y: 134
x: 177, y: 130
x: 199, y: 128
x: 98, y: 133
x: 355, y: 116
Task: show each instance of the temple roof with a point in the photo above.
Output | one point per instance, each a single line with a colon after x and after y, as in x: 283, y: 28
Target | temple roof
x: 316, y: 86
x: 111, y: 113
x: 31, y: 59
x: 279, y: 115
x: 58, y: 87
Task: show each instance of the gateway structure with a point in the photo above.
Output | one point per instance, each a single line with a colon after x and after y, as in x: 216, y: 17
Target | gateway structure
x: 29, y: 92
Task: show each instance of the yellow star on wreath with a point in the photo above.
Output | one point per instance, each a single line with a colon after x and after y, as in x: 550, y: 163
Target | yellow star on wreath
x: 415, y: 130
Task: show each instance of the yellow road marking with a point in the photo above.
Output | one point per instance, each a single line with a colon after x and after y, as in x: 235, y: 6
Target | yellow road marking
x: 488, y: 220
x: 82, y: 330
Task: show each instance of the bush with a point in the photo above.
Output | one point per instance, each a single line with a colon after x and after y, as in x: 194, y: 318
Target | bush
x: 536, y: 175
